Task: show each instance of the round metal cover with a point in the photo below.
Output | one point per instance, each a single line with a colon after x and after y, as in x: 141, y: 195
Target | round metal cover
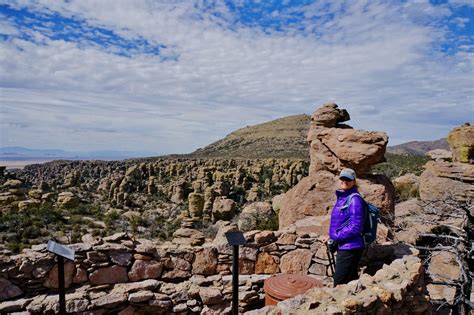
x: 285, y: 286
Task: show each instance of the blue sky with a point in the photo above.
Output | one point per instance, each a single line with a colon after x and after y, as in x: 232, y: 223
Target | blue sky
x: 171, y: 76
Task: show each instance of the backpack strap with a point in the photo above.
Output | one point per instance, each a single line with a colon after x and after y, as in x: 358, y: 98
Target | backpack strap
x: 349, y: 199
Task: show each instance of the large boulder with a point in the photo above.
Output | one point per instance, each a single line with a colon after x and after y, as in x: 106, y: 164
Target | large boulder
x: 440, y: 155
x: 68, y: 200
x: 443, y: 180
x: 315, y: 196
x: 223, y: 208
x: 334, y: 149
x: 461, y: 142
x: 256, y: 216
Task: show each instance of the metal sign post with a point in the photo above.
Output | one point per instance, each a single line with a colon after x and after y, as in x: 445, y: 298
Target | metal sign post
x: 61, y: 252
x: 235, y: 238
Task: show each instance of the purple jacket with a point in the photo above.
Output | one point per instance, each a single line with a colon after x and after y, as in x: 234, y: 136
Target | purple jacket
x: 347, y: 224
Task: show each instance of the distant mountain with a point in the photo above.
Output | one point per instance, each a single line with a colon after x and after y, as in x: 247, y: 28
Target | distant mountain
x: 418, y: 147
x: 21, y: 153
x: 280, y: 138
x: 25, y: 152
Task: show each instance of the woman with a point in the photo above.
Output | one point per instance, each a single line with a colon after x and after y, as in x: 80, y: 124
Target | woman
x: 347, y: 225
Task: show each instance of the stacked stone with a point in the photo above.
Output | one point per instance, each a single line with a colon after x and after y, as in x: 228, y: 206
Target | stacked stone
x: 119, y: 275
x: 333, y: 147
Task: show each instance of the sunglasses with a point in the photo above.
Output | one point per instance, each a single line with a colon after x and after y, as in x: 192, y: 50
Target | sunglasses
x: 345, y: 179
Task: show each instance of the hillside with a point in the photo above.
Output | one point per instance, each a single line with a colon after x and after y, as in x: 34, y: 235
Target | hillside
x: 281, y: 138
x: 418, y: 147
x: 286, y: 138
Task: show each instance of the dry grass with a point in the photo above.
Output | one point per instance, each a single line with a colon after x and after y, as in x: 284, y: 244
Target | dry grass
x: 280, y: 138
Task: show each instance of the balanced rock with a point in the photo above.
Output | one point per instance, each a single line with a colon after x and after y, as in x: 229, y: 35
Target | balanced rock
x: 329, y: 115
x: 196, y: 204
x: 335, y: 146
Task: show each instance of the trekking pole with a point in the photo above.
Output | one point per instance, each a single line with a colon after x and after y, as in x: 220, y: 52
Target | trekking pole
x: 330, y: 256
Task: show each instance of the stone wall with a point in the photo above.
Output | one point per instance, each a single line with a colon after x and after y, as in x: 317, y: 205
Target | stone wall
x: 120, y: 275
x: 397, y: 288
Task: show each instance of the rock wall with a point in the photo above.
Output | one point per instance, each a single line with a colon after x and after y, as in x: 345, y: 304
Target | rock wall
x: 397, y: 288
x: 334, y: 146
x: 124, y: 276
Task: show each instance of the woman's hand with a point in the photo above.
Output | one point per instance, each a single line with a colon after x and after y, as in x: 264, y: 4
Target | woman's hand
x: 324, y: 238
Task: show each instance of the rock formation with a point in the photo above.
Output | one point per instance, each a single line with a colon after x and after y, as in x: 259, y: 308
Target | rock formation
x: 445, y: 191
x: 461, y: 142
x: 334, y: 146
x: 145, y: 196
x: 442, y: 179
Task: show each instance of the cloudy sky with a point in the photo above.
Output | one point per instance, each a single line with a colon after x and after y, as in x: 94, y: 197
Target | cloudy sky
x: 169, y: 76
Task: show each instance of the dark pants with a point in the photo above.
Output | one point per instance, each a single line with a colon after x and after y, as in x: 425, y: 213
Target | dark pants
x: 347, y: 265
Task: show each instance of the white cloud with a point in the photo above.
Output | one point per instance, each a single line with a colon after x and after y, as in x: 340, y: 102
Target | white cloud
x: 376, y: 59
